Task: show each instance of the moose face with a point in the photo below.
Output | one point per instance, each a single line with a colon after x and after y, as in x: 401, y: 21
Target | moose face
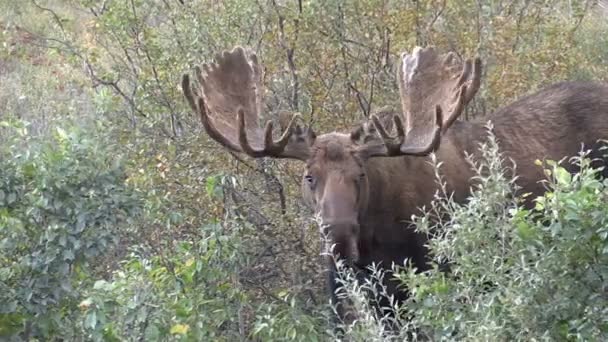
x: 335, y: 185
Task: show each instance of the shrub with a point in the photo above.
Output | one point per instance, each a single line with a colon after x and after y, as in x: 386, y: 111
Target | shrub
x: 62, y: 200
x: 332, y: 62
x: 286, y: 319
x: 193, y: 293
x: 517, y: 274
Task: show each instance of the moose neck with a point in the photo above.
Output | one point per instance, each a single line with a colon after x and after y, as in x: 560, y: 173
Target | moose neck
x: 400, y: 186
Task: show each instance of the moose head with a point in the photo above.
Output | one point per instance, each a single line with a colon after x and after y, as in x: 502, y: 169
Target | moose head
x: 434, y: 90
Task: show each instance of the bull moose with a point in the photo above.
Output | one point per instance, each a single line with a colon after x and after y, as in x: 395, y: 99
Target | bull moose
x: 366, y: 184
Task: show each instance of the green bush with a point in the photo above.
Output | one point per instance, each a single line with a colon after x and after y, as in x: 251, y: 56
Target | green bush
x: 332, y: 61
x: 517, y: 274
x: 63, y: 199
x: 192, y: 294
x: 286, y: 319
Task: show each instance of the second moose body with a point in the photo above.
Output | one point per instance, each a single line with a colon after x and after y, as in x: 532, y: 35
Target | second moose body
x: 366, y: 184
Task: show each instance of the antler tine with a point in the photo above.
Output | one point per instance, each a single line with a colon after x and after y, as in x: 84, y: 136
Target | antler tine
x: 288, y: 132
x: 271, y: 147
x: 475, y: 81
x: 188, y: 92
x: 243, y: 141
x: 464, y: 75
x: 468, y: 84
x: 458, y: 108
x: 392, y: 146
x: 403, y: 89
x: 398, y: 146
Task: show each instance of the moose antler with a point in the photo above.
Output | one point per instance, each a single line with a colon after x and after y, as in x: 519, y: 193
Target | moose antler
x: 430, y: 85
x: 427, y: 79
x: 229, y: 103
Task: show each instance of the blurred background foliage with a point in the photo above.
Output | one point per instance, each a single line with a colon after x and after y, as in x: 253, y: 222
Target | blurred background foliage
x: 171, y: 235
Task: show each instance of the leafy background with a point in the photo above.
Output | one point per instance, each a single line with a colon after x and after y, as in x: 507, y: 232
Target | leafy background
x: 121, y: 220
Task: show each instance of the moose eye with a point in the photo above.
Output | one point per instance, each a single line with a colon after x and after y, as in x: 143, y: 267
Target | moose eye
x: 309, y: 179
x: 361, y: 175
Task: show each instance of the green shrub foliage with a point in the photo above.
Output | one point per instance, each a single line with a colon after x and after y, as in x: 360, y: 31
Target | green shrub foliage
x: 517, y: 274
x: 63, y: 200
x: 136, y: 226
x: 193, y: 295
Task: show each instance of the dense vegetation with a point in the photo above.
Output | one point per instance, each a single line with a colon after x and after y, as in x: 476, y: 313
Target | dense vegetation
x: 121, y: 220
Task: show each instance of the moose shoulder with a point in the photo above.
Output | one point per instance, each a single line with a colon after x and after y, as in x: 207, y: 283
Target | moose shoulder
x: 366, y: 184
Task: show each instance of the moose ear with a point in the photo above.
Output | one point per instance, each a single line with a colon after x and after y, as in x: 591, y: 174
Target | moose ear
x: 357, y: 133
x: 386, y: 116
x: 366, y: 131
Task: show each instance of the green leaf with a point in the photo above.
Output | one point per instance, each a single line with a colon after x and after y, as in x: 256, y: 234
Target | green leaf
x: 152, y: 333
x: 80, y: 222
x: 211, y: 185
x: 91, y: 320
x: 66, y: 284
x: 524, y: 230
x: 9, y: 307
x: 61, y: 133
x: 11, y: 323
x: 29, y: 170
x: 562, y: 176
x: 68, y: 254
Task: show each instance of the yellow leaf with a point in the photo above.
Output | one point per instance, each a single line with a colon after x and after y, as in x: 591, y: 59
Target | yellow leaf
x: 180, y: 329
x: 61, y: 133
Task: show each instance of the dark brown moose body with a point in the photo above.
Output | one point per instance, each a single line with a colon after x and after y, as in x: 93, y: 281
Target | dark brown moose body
x: 549, y: 124
x: 366, y: 184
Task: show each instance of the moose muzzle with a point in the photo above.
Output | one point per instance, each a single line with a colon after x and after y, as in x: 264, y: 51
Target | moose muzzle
x: 343, y: 236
